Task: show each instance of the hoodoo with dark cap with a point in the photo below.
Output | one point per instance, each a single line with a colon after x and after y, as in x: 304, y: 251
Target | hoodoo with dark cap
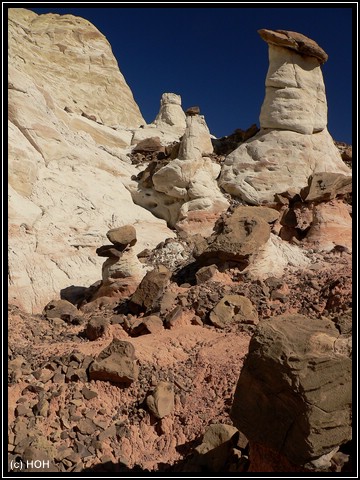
x: 293, y: 142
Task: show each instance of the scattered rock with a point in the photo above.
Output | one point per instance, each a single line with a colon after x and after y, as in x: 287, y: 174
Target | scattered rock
x: 233, y: 308
x: 161, y: 401
x: 61, y: 309
x: 116, y: 363
x: 96, y: 328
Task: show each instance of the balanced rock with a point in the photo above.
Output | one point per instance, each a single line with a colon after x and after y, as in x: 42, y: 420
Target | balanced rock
x: 192, y: 111
x: 294, y: 41
x: 122, y: 236
x: 293, y: 142
x: 294, y: 391
x: 116, y: 363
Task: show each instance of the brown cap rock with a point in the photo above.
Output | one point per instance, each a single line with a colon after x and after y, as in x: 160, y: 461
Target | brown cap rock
x: 191, y: 111
x: 295, y: 41
x: 122, y: 236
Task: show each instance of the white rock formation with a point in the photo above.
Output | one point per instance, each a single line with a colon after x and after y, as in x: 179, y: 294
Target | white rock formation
x: 80, y: 56
x: 187, y: 183
x: 69, y: 176
x: 169, y: 124
x: 295, y: 93
x: 171, y: 114
x: 293, y: 142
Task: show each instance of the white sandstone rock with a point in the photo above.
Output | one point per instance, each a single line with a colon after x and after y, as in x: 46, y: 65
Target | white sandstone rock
x: 274, y: 161
x: 295, y: 93
x: 170, y: 113
x: 69, y: 176
x: 196, y: 141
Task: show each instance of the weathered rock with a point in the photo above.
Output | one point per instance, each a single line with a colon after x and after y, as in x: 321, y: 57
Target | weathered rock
x: 171, y: 114
x: 96, y: 328
x: 109, y: 251
x: 274, y: 257
x: 149, y: 145
x: 215, y: 435
x: 161, y: 401
x: 233, y: 308
x: 332, y: 226
x: 122, y: 236
x: 293, y: 142
x: 122, y: 274
x: 56, y: 216
x: 67, y: 42
x: 240, y: 235
x: 275, y: 161
x: 324, y: 186
x: 196, y: 141
x: 294, y: 391
x: 191, y: 111
x: 147, y: 295
x: 294, y: 41
x: 116, y: 363
x: 146, y: 325
x: 205, y: 273
x: 61, y: 309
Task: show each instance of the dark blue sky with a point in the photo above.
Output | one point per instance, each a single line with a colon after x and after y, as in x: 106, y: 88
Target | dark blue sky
x: 213, y: 57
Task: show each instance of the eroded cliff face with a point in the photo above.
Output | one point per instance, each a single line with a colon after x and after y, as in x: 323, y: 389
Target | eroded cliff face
x: 69, y: 58
x: 70, y: 113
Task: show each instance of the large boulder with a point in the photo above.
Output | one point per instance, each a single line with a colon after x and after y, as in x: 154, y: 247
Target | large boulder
x: 294, y: 391
x: 238, y: 236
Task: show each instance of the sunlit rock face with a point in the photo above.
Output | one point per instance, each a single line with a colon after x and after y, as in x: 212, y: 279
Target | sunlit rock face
x: 293, y: 142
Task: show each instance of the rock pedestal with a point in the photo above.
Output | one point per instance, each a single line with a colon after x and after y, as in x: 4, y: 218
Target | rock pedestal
x: 293, y: 142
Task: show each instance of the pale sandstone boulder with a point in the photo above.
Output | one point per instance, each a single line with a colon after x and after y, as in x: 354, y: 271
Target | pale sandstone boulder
x: 332, y: 225
x: 53, y: 46
x: 274, y: 257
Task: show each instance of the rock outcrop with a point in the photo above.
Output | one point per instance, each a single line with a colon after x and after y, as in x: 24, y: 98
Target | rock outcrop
x: 59, y: 68
x: 122, y: 272
x: 184, y: 191
x: 294, y: 391
x: 81, y: 57
x: 293, y: 142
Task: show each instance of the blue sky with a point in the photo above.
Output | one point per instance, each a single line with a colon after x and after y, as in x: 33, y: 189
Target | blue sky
x: 213, y: 56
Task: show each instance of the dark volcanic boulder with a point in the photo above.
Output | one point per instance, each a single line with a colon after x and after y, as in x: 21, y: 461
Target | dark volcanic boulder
x: 294, y: 391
